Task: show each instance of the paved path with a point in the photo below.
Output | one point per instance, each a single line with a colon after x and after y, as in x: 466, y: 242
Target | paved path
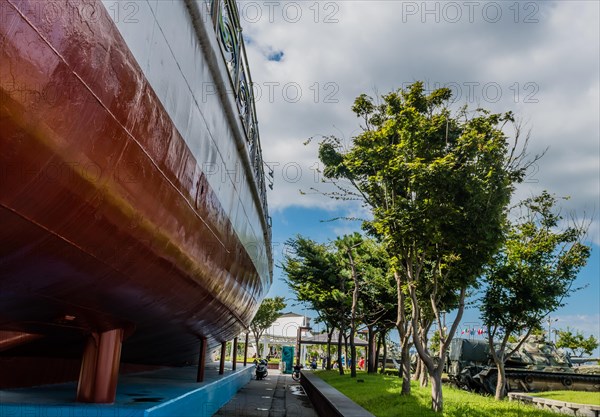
x: 278, y: 395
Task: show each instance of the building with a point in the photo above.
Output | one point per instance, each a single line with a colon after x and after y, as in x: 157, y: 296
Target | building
x: 284, y: 332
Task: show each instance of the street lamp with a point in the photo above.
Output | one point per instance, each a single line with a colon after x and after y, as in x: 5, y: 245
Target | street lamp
x: 550, y: 321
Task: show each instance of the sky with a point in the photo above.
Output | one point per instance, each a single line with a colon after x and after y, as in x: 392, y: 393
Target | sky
x: 310, y: 60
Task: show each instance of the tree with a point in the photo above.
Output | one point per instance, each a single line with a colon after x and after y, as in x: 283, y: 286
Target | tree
x: 404, y: 327
x: 343, y: 282
x: 435, y: 341
x: 268, y: 312
x: 576, y: 343
x: 530, y: 276
x: 313, y: 272
x: 378, y: 304
x: 347, y: 247
x: 437, y: 186
x: 364, y: 262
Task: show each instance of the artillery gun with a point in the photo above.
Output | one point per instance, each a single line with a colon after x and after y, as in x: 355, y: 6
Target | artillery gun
x: 535, y: 366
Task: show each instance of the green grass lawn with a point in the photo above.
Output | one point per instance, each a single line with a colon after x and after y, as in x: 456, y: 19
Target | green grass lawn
x: 579, y: 397
x: 380, y: 395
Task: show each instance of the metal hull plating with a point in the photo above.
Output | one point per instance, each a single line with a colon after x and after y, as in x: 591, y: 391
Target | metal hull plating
x: 113, y: 214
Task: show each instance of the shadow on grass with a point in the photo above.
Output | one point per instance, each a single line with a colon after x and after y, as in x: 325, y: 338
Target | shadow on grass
x: 381, y: 396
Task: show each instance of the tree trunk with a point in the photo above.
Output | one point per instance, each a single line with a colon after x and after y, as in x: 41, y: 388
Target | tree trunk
x: 418, y: 370
x: 380, y: 338
x: 403, y: 326
x: 424, y: 377
x: 435, y: 369
x: 437, y: 400
x: 353, y: 355
x: 328, y: 360
x: 340, y: 367
x: 405, y: 359
x: 353, y: 317
x: 257, y: 337
x: 371, y: 351
x: 499, y: 356
x: 501, y: 381
x: 384, y: 352
x: 346, y: 350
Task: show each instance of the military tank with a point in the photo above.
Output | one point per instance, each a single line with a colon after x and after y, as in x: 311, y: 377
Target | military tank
x: 535, y: 366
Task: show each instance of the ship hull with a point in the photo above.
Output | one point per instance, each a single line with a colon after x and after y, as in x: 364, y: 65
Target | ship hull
x: 108, y: 219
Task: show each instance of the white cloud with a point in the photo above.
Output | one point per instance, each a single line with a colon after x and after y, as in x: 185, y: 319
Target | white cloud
x: 540, y: 60
x: 588, y: 324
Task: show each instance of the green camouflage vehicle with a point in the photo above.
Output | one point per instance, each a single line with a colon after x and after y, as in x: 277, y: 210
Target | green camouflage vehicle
x: 535, y: 366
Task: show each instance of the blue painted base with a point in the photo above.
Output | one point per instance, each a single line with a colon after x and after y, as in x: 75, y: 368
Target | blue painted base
x: 167, y: 392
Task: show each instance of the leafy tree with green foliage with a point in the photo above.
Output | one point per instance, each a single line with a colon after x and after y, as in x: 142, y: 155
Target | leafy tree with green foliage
x: 530, y: 276
x: 344, y: 282
x: 364, y: 262
x: 315, y: 275
x: 268, y: 312
x: 576, y: 342
x: 434, y: 342
x: 438, y: 185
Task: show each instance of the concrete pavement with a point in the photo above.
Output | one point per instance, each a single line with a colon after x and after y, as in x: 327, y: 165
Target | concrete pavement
x: 162, y: 392
x: 278, y: 395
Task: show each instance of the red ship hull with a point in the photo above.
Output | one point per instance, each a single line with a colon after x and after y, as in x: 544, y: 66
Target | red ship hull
x: 106, y: 217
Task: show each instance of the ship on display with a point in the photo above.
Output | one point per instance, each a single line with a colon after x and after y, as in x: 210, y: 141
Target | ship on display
x: 535, y: 366
x: 133, y: 215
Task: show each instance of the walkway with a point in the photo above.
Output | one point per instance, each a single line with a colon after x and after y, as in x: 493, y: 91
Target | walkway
x: 278, y: 395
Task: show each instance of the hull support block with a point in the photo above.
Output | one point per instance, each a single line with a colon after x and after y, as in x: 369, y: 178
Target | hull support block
x: 100, y: 367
